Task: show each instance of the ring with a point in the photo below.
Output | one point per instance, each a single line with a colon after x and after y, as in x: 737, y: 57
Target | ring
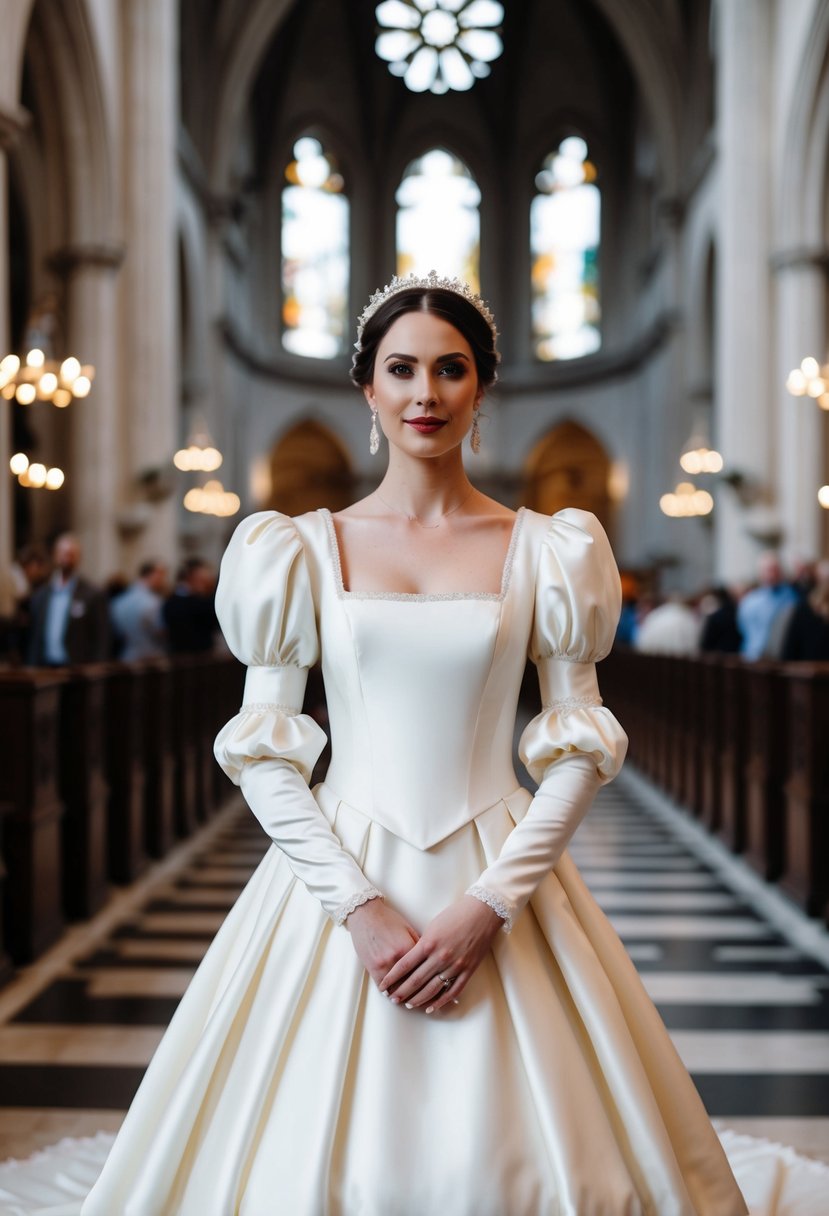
x: 446, y: 983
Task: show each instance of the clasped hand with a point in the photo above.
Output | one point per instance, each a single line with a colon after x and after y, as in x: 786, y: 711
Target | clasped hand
x: 407, y: 966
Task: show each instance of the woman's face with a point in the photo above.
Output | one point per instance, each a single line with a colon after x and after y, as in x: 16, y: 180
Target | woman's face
x: 425, y: 387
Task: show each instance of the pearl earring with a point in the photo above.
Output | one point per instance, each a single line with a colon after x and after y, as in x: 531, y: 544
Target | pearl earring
x: 475, y: 437
x: 374, y: 435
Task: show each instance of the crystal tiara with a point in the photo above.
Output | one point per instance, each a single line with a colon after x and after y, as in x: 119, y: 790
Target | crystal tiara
x: 427, y: 281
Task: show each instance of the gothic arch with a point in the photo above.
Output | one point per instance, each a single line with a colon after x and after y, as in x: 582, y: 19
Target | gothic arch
x: 653, y: 50
x: 653, y: 53
x: 63, y: 65
x: 244, y: 43
x: 309, y: 468
x: 802, y: 209
x: 568, y: 467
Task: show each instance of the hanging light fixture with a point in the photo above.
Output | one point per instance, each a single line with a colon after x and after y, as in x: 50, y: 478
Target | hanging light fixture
x: 200, y: 455
x: 810, y: 380
x: 35, y: 476
x: 36, y: 378
x: 686, y: 501
x: 212, y: 499
x: 438, y: 45
x: 698, y: 456
x: 698, y: 459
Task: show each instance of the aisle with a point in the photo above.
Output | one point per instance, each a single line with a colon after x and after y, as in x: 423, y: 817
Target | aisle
x: 747, y: 1009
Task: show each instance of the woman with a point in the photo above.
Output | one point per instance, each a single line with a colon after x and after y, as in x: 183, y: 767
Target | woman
x: 416, y: 1005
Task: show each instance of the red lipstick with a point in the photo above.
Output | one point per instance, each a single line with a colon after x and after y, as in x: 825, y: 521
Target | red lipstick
x: 425, y: 426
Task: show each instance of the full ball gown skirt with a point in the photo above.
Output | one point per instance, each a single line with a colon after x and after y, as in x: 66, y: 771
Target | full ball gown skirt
x: 286, y: 1084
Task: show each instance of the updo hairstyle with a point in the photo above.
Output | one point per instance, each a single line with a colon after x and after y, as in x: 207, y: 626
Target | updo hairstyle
x: 449, y: 306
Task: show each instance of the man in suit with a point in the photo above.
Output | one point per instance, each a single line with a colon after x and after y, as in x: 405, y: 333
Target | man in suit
x: 69, y: 616
x: 190, y: 613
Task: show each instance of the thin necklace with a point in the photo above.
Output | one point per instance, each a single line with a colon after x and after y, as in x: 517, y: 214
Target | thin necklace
x: 414, y: 519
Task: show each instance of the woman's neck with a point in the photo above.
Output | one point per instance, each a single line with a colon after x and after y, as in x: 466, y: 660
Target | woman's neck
x: 425, y: 488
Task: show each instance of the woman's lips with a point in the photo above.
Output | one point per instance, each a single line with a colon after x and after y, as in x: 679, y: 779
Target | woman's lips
x: 426, y: 426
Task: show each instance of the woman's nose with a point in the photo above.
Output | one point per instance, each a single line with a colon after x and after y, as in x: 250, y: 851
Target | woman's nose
x: 426, y: 390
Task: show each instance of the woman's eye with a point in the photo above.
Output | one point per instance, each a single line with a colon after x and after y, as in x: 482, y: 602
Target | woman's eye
x: 453, y: 369
x: 398, y: 369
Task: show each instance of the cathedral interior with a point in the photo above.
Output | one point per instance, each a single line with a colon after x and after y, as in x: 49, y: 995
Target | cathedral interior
x: 197, y: 199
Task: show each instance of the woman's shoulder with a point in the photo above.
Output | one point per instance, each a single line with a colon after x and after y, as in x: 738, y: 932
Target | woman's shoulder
x: 570, y: 535
x: 264, y: 600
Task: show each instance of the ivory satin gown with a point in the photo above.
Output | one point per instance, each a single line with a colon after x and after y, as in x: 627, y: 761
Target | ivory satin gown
x: 286, y: 1084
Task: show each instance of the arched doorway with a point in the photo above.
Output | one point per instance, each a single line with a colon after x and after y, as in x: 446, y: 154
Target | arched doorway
x: 568, y: 467
x: 309, y: 468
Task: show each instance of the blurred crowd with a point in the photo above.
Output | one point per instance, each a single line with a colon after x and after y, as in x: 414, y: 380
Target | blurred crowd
x: 62, y: 618
x: 782, y: 616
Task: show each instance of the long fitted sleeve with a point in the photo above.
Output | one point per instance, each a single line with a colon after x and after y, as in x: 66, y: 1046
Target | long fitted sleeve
x: 266, y: 609
x: 575, y: 744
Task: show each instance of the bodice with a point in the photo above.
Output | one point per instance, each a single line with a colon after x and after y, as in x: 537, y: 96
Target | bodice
x: 422, y: 690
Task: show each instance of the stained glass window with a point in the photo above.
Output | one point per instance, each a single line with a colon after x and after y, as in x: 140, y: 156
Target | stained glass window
x: 439, y: 44
x: 565, y: 219
x: 315, y: 253
x: 438, y: 223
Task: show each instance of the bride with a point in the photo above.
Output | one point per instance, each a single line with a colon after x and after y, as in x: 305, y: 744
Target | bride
x: 416, y: 1005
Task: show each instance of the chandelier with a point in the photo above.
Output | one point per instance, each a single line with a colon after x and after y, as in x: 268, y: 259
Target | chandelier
x: 698, y: 458
x: 40, y: 379
x: 200, y: 455
x: 212, y: 499
x: 686, y: 501
x: 438, y: 45
x: 812, y: 380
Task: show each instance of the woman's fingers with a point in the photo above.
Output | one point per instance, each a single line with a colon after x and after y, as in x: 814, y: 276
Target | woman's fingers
x: 425, y: 994
x: 449, y: 996
x: 404, y: 966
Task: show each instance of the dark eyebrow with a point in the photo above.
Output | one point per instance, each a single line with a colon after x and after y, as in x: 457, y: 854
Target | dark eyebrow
x: 441, y: 358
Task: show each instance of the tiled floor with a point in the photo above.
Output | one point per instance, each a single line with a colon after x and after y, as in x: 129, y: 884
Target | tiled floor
x: 741, y: 981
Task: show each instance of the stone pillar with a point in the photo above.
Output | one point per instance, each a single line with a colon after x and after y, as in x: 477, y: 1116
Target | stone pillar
x: 800, y: 284
x: 93, y: 474
x: 745, y: 364
x: 150, y: 315
x: 11, y: 126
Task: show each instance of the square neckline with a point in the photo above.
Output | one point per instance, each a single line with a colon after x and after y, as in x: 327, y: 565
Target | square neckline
x: 421, y: 596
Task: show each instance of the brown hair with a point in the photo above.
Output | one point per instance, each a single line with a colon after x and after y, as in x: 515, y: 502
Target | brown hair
x: 449, y: 306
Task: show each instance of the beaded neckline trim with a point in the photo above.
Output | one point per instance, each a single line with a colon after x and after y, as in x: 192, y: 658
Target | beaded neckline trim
x: 415, y: 596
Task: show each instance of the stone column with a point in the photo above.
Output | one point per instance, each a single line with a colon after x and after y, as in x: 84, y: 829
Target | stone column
x: 800, y: 283
x: 745, y: 364
x: 94, y: 472
x: 11, y: 126
x: 150, y: 315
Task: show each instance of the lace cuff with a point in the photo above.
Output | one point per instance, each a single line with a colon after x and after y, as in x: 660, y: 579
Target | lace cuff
x: 563, y: 705
x: 361, y: 897
x: 499, y: 905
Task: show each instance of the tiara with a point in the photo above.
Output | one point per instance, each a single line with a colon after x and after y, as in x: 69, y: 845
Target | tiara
x: 428, y: 281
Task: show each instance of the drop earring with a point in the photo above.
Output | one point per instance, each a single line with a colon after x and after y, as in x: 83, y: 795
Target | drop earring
x: 475, y: 437
x: 374, y: 435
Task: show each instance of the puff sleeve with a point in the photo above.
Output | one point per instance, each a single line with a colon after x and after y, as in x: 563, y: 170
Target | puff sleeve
x: 575, y: 744
x: 266, y: 611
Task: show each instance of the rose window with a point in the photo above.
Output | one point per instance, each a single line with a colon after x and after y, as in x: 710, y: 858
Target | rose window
x: 438, y: 45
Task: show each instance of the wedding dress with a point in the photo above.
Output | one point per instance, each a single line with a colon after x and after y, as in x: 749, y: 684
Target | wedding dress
x: 286, y: 1083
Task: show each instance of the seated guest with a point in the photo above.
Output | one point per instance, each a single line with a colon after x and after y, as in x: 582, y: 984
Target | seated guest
x: 807, y: 636
x: 757, y: 609
x: 720, y: 632
x: 670, y: 628
x: 137, y: 615
x: 69, y: 616
x: 189, y: 613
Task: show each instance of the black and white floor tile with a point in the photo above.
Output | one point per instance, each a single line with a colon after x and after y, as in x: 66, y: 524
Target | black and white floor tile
x: 740, y: 979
